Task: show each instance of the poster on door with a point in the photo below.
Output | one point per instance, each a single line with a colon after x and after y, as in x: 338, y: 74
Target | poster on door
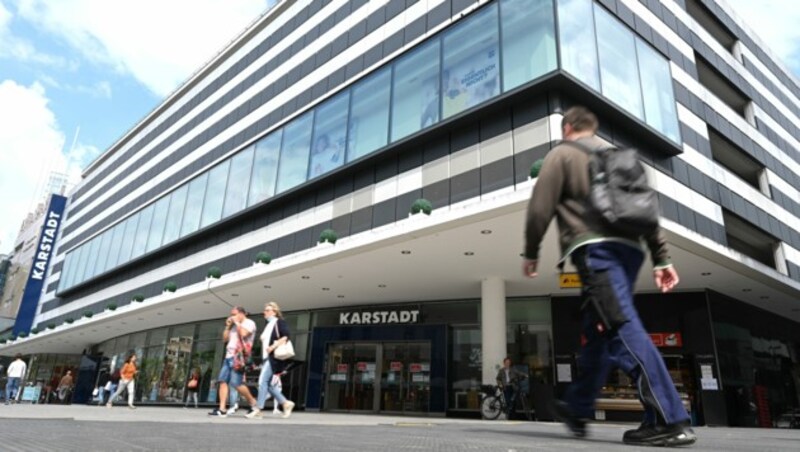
x: 396, y: 366
x: 415, y: 368
x: 341, y: 368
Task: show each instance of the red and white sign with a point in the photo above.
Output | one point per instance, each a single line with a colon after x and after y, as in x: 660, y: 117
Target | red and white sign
x: 361, y: 366
x: 667, y: 339
x: 396, y: 366
x: 415, y: 368
x: 341, y: 368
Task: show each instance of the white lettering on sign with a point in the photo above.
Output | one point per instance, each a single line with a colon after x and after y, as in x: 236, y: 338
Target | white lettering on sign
x: 45, y: 246
x: 378, y: 317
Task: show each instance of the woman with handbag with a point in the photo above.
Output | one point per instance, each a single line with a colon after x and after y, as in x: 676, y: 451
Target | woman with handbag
x: 127, y: 375
x: 276, y: 350
x: 192, y: 388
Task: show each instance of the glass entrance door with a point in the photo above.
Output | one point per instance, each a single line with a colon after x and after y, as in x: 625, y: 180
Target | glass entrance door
x: 378, y: 377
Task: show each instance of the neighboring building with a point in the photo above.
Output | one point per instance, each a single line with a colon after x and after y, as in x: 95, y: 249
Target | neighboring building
x: 340, y: 115
x: 5, y: 266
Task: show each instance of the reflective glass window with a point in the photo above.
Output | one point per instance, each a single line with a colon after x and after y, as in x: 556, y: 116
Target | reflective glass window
x: 619, y: 75
x: 529, y: 42
x: 238, y: 182
x: 116, y: 244
x: 471, y: 71
x: 140, y: 241
x: 127, y: 239
x: 194, y: 204
x: 368, y: 128
x: 215, y: 193
x: 265, y: 168
x: 66, y: 271
x: 160, y: 213
x: 102, y: 256
x: 94, y: 245
x: 330, y: 135
x: 294, y: 153
x: 177, y: 202
x: 659, y: 99
x: 415, y: 99
x: 577, y: 41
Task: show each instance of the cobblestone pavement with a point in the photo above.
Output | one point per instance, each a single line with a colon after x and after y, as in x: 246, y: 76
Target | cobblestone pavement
x: 81, y: 428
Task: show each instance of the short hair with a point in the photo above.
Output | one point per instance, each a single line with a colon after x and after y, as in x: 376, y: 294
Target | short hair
x: 580, y: 118
x: 241, y: 309
x: 507, y: 358
x: 18, y: 356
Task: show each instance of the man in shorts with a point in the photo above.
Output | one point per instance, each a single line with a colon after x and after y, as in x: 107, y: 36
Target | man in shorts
x: 236, y: 326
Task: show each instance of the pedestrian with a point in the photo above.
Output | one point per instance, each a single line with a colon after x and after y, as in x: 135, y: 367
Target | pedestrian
x: 608, y: 262
x: 276, y: 333
x: 103, y: 387
x: 65, y: 387
x: 16, y: 372
x: 238, y: 336
x: 508, y: 379
x: 192, y: 387
x: 127, y: 377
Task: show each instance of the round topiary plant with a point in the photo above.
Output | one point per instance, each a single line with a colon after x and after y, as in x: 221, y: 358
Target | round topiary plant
x: 138, y: 298
x: 13, y: 337
x: 22, y: 334
x: 88, y: 314
x: 51, y: 326
x: 34, y: 330
x: 170, y: 287
x: 263, y: 257
x: 421, y: 205
x: 535, y: 168
x: 69, y: 320
x: 3, y: 341
x: 328, y: 235
x: 111, y: 306
x: 214, y: 272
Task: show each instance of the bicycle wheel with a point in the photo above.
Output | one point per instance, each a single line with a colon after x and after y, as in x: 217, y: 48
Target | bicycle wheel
x: 491, y: 407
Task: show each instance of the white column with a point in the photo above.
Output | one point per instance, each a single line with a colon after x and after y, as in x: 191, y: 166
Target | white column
x: 493, y: 327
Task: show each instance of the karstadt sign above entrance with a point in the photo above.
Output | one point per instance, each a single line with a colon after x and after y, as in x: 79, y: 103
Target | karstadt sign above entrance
x: 379, y: 317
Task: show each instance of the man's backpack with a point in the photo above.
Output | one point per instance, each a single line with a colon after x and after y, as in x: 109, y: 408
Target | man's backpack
x: 619, y: 192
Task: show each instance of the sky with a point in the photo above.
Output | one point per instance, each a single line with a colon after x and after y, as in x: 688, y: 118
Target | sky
x: 76, y: 75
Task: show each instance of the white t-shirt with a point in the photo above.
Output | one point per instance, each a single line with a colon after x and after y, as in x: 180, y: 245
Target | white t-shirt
x: 17, y: 369
x: 233, y: 337
x: 266, y: 335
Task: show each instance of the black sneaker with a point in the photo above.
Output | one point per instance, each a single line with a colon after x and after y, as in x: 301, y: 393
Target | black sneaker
x: 564, y: 414
x: 660, y: 435
x: 218, y: 412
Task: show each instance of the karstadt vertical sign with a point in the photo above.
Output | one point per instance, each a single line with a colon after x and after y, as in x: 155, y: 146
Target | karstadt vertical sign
x: 41, y: 262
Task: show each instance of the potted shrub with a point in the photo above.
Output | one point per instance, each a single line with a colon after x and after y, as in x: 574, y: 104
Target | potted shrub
x: 34, y: 330
x: 535, y: 168
x: 88, y: 314
x: 111, y: 306
x: 69, y: 320
x: 22, y: 334
x: 214, y: 272
x: 421, y: 205
x: 328, y: 236
x: 51, y: 326
x: 263, y: 257
x: 170, y: 287
x: 138, y: 298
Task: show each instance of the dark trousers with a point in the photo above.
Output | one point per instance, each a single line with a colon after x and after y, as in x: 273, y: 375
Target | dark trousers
x: 609, y: 269
x: 510, y: 395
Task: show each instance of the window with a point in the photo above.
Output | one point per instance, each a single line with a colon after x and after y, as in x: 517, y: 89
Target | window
x: 116, y: 244
x: 102, y: 257
x: 330, y: 135
x: 619, y: 77
x: 577, y: 41
x: 140, y: 241
x: 67, y: 270
x: 294, y: 153
x: 369, y: 115
x: 720, y: 86
x: 471, y: 72
x: 127, y: 239
x: 238, y: 182
x: 160, y: 212
x: 177, y: 203
x: 265, y: 168
x: 529, y: 43
x: 194, y: 204
x: 90, y: 262
x: 735, y: 159
x: 415, y: 99
x: 749, y: 240
x: 659, y: 99
x: 710, y: 23
x: 215, y: 193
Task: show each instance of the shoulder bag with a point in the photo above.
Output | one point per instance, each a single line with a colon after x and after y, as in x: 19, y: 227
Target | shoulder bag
x: 284, y: 351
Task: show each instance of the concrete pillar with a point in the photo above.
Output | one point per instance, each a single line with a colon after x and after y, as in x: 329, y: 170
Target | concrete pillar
x: 493, y: 327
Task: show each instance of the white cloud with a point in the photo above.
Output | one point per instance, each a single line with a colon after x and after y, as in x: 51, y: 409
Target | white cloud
x: 31, y: 147
x: 776, y: 22
x: 14, y: 47
x: 159, y: 43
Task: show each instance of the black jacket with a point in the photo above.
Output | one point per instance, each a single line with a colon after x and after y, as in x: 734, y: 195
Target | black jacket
x: 281, y: 329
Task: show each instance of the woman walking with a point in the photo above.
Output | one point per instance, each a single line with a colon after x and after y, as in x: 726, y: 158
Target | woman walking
x: 276, y: 333
x: 192, y: 387
x: 127, y: 375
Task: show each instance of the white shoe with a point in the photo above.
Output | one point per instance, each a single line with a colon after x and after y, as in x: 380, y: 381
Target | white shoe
x: 287, y: 408
x: 254, y: 413
x: 108, y: 405
x: 131, y: 407
x: 233, y: 409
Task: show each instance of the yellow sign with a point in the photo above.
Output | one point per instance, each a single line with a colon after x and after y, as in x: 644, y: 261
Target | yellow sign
x: 569, y: 281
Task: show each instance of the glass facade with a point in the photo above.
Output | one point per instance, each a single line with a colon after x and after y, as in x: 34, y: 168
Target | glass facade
x: 498, y: 48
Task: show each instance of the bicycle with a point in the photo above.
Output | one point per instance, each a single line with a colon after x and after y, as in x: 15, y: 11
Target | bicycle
x: 494, y: 402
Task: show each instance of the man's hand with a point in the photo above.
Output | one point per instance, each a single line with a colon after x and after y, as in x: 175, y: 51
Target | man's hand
x: 529, y: 268
x: 666, y: 278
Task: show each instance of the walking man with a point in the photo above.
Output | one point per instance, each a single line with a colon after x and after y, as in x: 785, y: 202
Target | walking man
x: 238, y: 328
x: 608, y: 262
x: 16, y: 372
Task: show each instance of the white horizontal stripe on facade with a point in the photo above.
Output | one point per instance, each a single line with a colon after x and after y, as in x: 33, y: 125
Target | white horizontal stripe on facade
x: 777, y: 128
x: 244, y: 97
x: 753, y: 59
x: 180, y: 101
x: 659, y: 26
x: 791, y: 254
x: 306, y: 83
x: 690, y: 119
x: 745, y: 127
x: 682, y: 194
x: 783, y: 186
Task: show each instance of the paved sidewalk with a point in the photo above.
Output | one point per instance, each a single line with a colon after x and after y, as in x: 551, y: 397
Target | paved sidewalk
x: 29, y: 428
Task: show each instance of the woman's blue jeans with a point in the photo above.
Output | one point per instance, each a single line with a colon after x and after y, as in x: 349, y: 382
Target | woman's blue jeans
x: 265, y: 386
